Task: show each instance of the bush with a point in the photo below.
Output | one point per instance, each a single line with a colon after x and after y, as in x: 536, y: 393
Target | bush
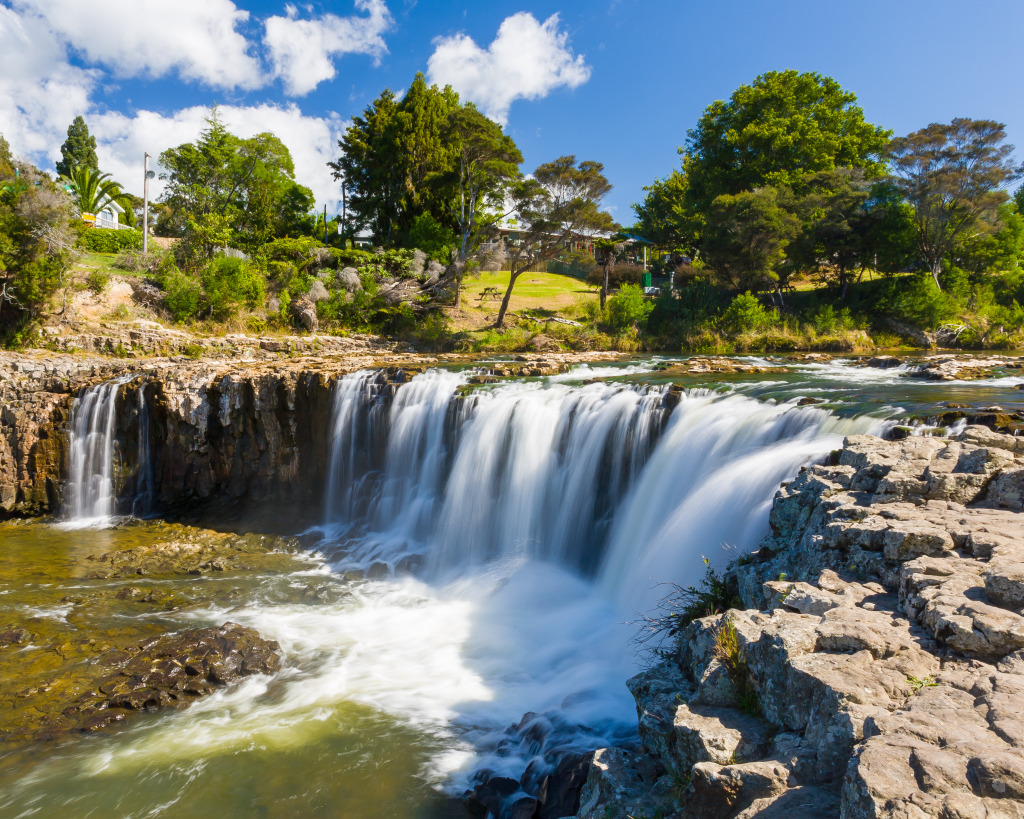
x: 746, y: 314
x: 618, y: 276
x: 628, y: 309
x: 97, y: 281
x: 107, y: 240
x: 228, y: 283
x: 184, y: 294
x: 432, y: 238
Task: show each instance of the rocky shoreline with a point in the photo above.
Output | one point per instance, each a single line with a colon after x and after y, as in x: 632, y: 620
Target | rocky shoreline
x: 876, y: 666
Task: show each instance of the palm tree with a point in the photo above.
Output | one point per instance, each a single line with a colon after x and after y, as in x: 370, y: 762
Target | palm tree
x: 93, y: 190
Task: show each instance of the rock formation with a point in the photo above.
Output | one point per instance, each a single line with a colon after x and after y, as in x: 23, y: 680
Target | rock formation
x: 878, y: 669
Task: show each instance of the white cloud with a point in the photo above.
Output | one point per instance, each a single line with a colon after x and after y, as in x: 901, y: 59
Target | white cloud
x: 527, y: 60
x: 303, y: 51
x: 40, y: 97
x: 313, y: 141
x: 197, y: 38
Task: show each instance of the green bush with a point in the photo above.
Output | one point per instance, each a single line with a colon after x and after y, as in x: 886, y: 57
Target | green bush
x: 106, y: 240
x: 97, y: 281
x: 431, y: 237
x: 628, y: 309
x: 229, y: 283
x: 184, y: 294
x: 746, y: 314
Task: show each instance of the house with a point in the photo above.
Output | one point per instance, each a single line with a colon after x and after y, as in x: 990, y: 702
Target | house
x: 108, y: 217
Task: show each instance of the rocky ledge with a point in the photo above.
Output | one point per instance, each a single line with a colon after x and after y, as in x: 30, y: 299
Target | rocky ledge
x: 877, y: 668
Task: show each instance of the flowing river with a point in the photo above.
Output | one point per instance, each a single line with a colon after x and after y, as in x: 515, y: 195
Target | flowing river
x: 478, y: 560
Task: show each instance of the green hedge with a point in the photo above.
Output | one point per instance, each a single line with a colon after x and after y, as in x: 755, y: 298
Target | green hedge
x: 107, y: 240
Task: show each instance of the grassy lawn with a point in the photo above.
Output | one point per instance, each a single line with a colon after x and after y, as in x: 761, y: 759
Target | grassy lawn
x: 97, y: 261
x: 539, y: 293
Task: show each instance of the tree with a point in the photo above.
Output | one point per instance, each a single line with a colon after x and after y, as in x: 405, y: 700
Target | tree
x: 775, y: 131
x: 560, y: 202
x: 391, y: 155
x: 663, y: 218
x: 78, y: 150
x: 486, y: 164
x: 93, y: 191
x: 224, y: 190
x: 37, y: 240
x: 833, y: 235
x: 608, y: 249
x: 952, y: 175
x: 747, y: 235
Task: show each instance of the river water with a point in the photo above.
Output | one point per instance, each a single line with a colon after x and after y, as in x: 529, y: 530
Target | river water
x: 479, y: 559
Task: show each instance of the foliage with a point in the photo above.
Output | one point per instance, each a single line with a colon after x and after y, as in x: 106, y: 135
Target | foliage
x: 663, y: 218
x: 629, y: 309
x: 773, y: 132
x: 37, y: 245
x: 230, y: 283
x: 92, y: 190
x: 746, y: 314
x: 78, y: 150
x: 390, y: 156
x: 560, y: 202
x: 681, y: 606
x: 747, y: 235
x: 108, y: 240
x: 183, y: 294
x: 952, y: 175
x: 224, y: 191
x: 97, y: 281
x: 432, y: 237
x: 730, y: 654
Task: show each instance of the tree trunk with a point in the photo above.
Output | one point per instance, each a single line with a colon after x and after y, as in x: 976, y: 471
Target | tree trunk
x: 500, y: 323
x: 936, y: 269
x: 604, y: 286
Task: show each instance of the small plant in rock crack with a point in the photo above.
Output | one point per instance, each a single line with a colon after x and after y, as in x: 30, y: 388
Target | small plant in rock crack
x: 730, y: 654
x: 681, y: 606
x: 920, y: 684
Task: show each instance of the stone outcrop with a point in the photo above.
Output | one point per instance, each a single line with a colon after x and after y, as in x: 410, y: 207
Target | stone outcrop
x: 877, y: 669
x: 174, y: 671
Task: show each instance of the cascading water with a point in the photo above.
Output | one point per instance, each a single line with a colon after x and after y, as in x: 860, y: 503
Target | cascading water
x: 547, y: 513
x: 90, y: 486
x: 95, y: 453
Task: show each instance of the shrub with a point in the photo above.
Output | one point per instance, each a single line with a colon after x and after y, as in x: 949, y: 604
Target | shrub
x: 431, y: 237
x: 628, y: 309
x: 746, y: 314
x: 107, y: 240
x: 228, y: 283
x: 97, y: 281
x: 184, y: 294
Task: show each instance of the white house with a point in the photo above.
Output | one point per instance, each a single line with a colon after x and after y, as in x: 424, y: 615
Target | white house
x: 107, y: 218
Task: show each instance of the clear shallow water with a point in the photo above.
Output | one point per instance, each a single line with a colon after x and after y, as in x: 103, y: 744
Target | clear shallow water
x: 536, y: 517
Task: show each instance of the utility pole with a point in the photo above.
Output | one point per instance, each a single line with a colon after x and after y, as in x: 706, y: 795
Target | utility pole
x: 325, y: 224
x: 344, y: 215
x: 145, y: 205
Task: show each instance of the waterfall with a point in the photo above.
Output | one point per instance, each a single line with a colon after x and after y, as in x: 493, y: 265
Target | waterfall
x: 90, y: 488
x: 602, y: 479
x: 142, y: 505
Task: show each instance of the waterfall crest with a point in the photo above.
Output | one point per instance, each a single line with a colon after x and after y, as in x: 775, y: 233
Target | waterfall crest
x: 603, y: 479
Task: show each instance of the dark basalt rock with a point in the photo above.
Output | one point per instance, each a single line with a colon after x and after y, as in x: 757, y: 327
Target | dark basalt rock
x: 175, y: 670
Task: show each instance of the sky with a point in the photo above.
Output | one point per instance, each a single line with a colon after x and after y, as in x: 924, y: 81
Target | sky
x: 616, y: 81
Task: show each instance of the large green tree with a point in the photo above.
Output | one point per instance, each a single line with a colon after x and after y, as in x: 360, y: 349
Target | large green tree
x: 953, y: 176
x: 747, y: 235
x: 78, y: 150
x: 225, y: 190
x: 390, y: 156
x: 561, y: 202
x: 663, y: 218
x: 775, y: 131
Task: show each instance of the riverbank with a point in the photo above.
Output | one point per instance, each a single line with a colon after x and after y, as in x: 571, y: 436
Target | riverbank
x: 875, y: 664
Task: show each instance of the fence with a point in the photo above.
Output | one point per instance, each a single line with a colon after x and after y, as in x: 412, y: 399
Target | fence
x: 568, y: 269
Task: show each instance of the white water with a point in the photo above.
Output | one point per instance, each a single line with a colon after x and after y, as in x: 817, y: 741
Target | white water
x: 545, y: 515
x: 541, y: 515
x: 89, y: 497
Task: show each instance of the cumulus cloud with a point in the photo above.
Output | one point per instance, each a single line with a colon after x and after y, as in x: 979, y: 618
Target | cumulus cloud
x: 303, y: 51
x: 527, y: 60
x: 40, y: 92
x: 199, y: 39
x: 313, y: 141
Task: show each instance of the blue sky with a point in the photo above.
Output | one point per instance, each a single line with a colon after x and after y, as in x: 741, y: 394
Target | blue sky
x: 618, y: 81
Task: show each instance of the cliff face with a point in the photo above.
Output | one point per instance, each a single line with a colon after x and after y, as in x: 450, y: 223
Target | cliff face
x: 35, y: 400
x: 878, y: 669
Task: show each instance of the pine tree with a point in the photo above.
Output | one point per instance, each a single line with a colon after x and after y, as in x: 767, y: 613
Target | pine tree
x: 78, y: 150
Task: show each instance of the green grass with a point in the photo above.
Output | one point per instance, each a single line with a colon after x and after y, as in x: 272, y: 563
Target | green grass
x: 532, y: 290
x: 97, y: 261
